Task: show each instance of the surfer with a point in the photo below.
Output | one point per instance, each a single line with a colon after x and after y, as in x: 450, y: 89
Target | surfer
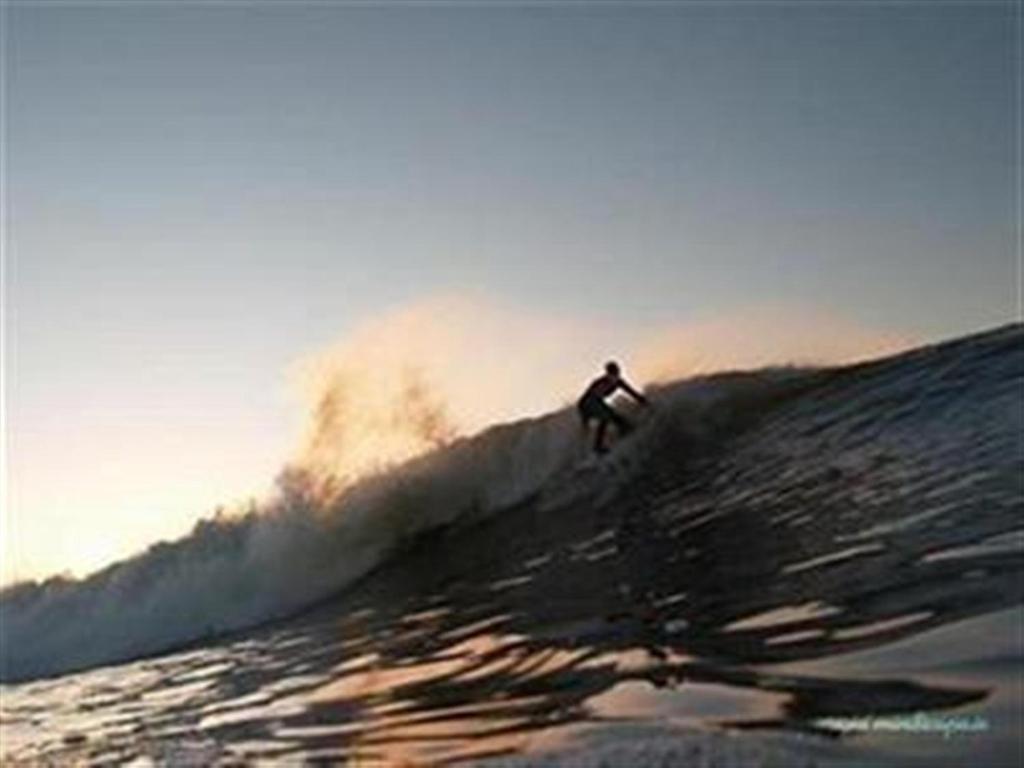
x: 592, y: 404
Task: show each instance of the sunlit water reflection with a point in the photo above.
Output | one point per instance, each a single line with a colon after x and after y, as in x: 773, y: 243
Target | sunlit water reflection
x: 742, y: 590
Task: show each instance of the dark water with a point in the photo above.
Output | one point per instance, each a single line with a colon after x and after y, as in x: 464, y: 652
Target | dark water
x: 843, y: 549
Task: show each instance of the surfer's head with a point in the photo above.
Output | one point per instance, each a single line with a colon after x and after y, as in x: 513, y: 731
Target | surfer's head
x: 611, y: 368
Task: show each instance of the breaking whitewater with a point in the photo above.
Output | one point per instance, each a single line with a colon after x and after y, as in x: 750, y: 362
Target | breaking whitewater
x: 776, y: 565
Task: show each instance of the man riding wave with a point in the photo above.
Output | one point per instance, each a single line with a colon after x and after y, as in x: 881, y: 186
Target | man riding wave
x: 592, y: 405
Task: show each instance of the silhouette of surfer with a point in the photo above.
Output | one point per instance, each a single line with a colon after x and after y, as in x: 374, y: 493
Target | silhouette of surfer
x: 592, y: 405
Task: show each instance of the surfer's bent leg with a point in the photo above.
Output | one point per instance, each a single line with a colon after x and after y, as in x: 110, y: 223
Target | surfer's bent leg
x: 592, y: 408
x: 624, y: 425
x: 585, y: 415
x: 602, y: 427
x: 608, y: 414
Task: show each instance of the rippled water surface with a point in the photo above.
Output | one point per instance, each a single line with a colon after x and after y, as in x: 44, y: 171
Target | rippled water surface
x: 850, y: 550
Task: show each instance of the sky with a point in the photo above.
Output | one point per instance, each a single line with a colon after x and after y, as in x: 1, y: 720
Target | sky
x: 200, y: 196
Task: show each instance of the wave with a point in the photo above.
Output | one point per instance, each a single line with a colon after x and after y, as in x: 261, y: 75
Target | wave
x: 312, y: 539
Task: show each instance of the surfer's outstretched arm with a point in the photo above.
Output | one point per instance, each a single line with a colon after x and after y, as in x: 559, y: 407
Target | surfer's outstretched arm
x: 638, y: 396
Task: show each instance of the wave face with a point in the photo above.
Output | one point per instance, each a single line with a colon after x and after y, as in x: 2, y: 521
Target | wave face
x: 306, y: 544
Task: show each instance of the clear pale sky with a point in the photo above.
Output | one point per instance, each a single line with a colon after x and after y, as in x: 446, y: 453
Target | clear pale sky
x: 196, y: 195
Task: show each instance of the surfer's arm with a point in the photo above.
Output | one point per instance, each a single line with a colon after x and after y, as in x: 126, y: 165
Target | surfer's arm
x: 632, y: 392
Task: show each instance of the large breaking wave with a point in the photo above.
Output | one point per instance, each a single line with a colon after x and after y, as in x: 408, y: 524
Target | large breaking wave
x: 318, y: 535
x: 312, y: 539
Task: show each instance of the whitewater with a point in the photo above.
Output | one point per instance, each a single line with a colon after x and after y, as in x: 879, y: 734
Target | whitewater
x: 770, y: 551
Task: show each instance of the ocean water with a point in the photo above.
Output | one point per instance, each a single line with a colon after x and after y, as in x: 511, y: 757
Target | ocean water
x: 786, y: 567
